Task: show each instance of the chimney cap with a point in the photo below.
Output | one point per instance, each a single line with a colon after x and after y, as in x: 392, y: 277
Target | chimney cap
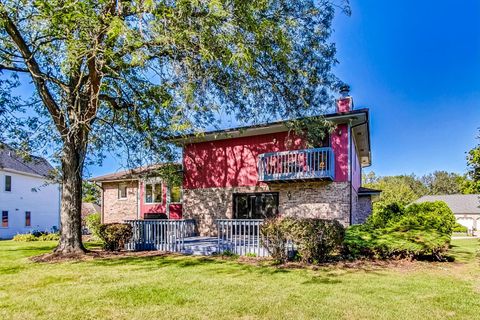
x: 345, y: 90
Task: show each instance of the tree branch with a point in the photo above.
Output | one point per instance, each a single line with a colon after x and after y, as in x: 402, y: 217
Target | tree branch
x: 34, y: 69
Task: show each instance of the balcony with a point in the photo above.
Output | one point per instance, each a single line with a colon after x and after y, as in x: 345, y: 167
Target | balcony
x: 307, y: 164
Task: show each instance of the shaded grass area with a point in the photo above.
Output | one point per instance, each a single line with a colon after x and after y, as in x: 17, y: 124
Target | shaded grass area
x: 177, y: 287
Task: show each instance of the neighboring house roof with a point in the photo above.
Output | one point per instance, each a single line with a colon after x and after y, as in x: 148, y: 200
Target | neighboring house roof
x: 362, y: 191
x: 10, y: 159
x: 89, y: 208
x: 458, y: 203
x: 131, y: 174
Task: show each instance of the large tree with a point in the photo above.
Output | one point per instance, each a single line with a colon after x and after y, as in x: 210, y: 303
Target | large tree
x: 443, y: 182
x: 124, y: 75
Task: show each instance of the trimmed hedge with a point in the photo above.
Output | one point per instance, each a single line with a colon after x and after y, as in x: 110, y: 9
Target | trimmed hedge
x: 315, y: 239
x: 419, y: 230
x: 115, y: 235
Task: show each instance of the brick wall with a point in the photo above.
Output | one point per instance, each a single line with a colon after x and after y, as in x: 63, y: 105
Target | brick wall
x: 363, y: 209
x: 118, y: 210
x: 329, y: 200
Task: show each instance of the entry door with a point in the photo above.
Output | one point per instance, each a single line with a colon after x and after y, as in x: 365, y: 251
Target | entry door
x: 255, y: 205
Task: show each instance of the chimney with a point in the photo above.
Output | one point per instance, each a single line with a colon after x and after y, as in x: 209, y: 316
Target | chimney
x: 345, y: 102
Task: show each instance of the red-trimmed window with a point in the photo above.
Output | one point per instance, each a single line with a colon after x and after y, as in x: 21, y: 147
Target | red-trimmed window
x: 4, y: 219
x: 28, y: 218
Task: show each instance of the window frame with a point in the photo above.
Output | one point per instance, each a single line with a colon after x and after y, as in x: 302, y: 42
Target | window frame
x: 2, y: 222
x: 29, y: 219
x: 119, y: 194
x: 257, y: 196
x: 181, y: 194
x: 153, y: 184
x: 9, y: 183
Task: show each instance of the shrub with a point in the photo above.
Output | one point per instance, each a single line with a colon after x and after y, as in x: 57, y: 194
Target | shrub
x: 460, y: 228
x: 93, y: 224
x: 275, y: 239
x: 115, y: 235
x: 315, y: 239
x: 37, y: 236
x: 27, y: 237
x: 419, y: 230
x: 49, y: 237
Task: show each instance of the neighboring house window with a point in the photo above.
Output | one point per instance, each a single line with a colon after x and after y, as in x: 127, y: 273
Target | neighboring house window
x: 176, y: 194
x: 28, y: 217
x: 122, y: 191
x: 153, y: 193
x: 8, y: 183
x: 4, y: 219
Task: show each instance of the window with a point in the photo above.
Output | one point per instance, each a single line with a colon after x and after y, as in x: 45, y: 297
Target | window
x: 176, y: 194
x: 8, y: 183
x: 4, y: 219
x: 122, y: 191
x: 255, y: 205
x: 28, y: 216
x: 153, y: 193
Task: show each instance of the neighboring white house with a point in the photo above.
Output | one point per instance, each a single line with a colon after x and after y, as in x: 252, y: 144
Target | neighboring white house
x: 465, y: 207
x: 28, y: 200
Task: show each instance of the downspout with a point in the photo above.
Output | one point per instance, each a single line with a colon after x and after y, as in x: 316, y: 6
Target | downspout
x: 350, y: 133
x: 103, y: 203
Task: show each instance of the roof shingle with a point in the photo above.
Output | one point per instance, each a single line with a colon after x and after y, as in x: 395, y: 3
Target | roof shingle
x: 10, y: 159
x: 458, y: 203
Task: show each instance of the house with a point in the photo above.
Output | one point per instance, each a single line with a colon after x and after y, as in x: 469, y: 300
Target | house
x: 260, y: 171
x: 137, y: 194
x: 255, y: 172
x: 465, y: 207
x: 29, y: 199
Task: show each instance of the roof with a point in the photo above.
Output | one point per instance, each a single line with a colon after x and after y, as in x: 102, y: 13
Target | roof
x: 362, y: 191
x: 11, y: 160
x: 130, y: 174
x: 458, y: 203
x: 89, y: 208
x: 358, y: 116
x: 358, y: 119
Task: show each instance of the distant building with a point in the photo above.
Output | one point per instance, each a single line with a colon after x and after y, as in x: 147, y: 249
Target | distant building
x: 29, y: 200
x: 465, y: 207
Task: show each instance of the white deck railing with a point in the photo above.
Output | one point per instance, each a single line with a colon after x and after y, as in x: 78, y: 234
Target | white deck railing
x: 160, y: 234
x: 317, y: 163
x: 241, y: 236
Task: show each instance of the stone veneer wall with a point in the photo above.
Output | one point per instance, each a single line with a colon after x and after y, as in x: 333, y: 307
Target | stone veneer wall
x: 118, y: 210
x: 330, y: 200
x: 364, y: 209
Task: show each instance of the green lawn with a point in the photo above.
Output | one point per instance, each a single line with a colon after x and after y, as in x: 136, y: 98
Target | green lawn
x: 175, y: 287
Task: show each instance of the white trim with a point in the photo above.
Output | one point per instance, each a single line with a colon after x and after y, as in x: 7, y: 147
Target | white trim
x: 154, y: 183
x: 26, y: 174
x: 119, y: 197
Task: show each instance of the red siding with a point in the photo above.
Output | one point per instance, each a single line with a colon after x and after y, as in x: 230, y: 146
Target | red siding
x: 146, y: 208
x: 233, y: 162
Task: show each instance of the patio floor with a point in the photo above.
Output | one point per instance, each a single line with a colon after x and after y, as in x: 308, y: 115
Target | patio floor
x: 200, y: 246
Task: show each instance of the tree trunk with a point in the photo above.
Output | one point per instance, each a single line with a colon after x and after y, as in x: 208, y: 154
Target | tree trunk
x: 71, y: 201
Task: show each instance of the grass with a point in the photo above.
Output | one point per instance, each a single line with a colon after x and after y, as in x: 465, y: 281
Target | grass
x: 175, y: 287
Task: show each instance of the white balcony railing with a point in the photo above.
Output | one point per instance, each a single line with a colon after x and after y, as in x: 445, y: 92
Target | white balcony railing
x: 317, y: 163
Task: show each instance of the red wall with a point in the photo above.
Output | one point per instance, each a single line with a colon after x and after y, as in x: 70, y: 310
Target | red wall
x: 146, y: 208
x: 233, y: 162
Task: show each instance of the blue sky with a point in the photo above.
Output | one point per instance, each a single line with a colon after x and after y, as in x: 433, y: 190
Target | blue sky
x: 416, y: 65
